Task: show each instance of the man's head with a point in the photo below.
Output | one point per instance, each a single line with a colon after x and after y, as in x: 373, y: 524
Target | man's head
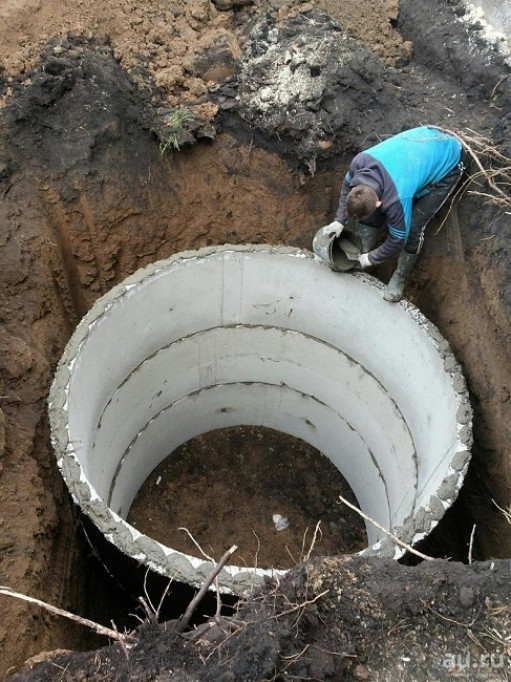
x: 361, y: 202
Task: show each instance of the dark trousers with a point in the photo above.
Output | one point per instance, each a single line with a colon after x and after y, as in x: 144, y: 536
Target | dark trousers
x: 424, y: 208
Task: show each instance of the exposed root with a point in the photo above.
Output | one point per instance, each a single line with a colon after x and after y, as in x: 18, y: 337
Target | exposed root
x: 493, y: 167
x: 152, y: 612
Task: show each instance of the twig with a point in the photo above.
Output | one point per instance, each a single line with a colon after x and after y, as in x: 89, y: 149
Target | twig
x: 452, y: 200
x: 291, y: 660
x: 497, y: 85
x: 152, y: 612
x: 185, y: 619
x: 209, y: 558
x: 403, y: 623
x: 296, y: 607
x: 218, y: 600
x: 316, y: 530
x: 471, y: 636
x: 387, y: 533
x: 99, y: 629
x: 206, y: 556
x: 498, y: 637
x: 450, y: 620
x: 471, y: 543
x: 256, y: 557
x: 506, y: 512
x: 147, y: 604
x: 224, y: 641
x: 160, y: 604
x: 476, y: 145
x: 293, y: 559
x: 244, y: 624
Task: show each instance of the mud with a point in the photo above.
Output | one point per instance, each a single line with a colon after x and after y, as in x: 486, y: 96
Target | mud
x: 96, y: 180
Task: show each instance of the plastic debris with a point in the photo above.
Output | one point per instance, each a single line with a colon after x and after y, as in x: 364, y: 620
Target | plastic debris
x: 281, y: 522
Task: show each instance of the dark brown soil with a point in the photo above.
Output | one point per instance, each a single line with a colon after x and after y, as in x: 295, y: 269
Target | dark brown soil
x: 438, y: 621
x: 226, y: 487
x: 87, y: 197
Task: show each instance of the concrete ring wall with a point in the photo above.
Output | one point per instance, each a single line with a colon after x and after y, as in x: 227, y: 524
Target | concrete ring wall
x: 259, y: 335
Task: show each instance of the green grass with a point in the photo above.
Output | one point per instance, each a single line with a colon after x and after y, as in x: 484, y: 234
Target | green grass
x: 173, y: 125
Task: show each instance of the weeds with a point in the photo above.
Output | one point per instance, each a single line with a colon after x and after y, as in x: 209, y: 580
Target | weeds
x: 172, y: 129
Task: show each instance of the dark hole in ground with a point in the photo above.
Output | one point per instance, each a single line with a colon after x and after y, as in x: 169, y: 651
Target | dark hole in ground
x: 228, y: 486
x: 122, y: 591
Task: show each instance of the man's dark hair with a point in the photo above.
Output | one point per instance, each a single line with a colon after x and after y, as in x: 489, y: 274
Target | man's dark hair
x: 361, y: 202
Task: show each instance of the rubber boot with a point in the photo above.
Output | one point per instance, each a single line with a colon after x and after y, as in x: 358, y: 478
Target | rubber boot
x: 368, y: 237
x: 396, y: 285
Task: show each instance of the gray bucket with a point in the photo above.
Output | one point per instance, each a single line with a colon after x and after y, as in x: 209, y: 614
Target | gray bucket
x: 340, y: 253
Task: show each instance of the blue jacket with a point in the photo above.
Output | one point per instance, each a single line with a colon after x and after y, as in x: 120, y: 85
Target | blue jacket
x: 400, y: 170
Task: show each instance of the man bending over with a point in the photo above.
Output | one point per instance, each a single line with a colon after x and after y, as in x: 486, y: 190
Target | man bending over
x: 399, y: 184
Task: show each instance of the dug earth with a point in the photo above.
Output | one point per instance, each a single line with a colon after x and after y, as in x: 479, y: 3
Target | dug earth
x: 132, y: 131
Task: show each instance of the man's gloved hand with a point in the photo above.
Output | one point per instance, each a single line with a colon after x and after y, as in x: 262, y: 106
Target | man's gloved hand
x: 334, y: 227
x: 364, y: 261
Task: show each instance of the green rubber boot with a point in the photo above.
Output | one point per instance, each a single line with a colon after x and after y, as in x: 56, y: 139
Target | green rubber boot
x: 395, y: 287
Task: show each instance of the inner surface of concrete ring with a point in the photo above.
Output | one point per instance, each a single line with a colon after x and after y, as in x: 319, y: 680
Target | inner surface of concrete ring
x: 259, y: 335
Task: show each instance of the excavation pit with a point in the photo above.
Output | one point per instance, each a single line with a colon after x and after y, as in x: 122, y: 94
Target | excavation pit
x: 263, y: 336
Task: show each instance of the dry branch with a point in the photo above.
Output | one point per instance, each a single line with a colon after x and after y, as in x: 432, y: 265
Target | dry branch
x: 96, y: 627
x: 314, y: 537
x: 392, y: 537
x: 498, y: 175
x: 185, y: 619
x: 506, y: 512
x: 471, y: 543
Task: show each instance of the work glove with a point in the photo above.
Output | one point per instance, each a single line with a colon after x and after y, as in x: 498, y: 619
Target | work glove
x: 364, y: 261
x: 335, y: 227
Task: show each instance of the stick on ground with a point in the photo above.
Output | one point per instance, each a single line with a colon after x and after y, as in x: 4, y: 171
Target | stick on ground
x: 183, y: 622
x: 96, y: 627
x: 395, y: 539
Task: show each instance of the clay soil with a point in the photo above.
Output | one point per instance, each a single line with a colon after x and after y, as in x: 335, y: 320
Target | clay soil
x: 96, y: 181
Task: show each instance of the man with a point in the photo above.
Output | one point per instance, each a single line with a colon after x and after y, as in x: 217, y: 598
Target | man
x: 401, y: 184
